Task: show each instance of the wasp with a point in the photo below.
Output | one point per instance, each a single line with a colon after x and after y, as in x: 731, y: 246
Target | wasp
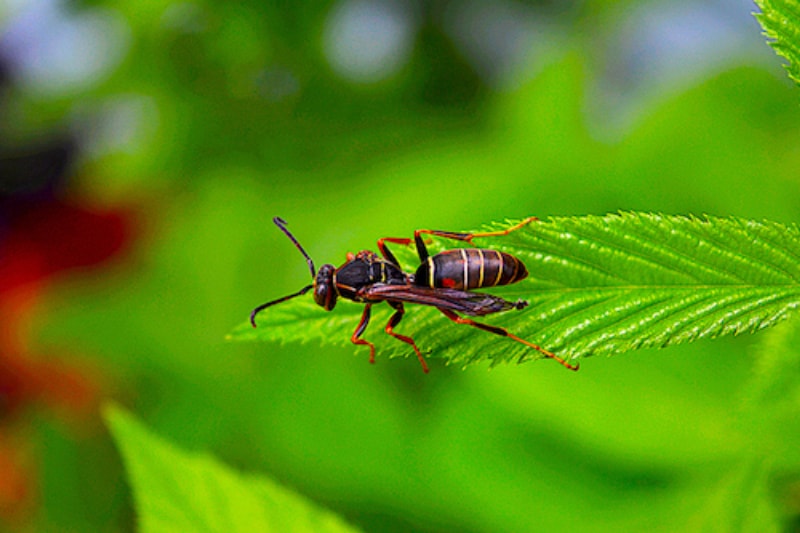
x: 445, y: 281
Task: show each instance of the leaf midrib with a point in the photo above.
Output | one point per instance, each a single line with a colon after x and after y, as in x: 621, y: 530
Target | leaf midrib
x: 645, y: 287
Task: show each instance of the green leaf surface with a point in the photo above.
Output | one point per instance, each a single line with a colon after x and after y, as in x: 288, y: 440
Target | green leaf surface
x: 781, y: 22
x: 179, y: 491
x: 598, y: 285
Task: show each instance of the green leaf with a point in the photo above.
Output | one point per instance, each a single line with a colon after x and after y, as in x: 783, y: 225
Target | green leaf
x: 179, y: 491
x: 781, y: 22
x: 597, y: 286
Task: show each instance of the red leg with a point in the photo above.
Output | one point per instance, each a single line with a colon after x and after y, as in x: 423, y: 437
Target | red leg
x: 362, y: 325
x: 469, y: 236
x: 504, y: 333
x: 393, y: 321
x: 422, y: 251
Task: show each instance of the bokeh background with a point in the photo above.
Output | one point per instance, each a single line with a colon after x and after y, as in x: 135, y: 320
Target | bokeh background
x: 146, y: 146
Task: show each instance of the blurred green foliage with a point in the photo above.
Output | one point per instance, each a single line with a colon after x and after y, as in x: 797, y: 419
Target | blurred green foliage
x: 241, y: 119
x: 176, y: 491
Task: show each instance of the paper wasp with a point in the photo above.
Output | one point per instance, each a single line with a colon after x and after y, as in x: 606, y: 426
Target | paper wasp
x: 444, y: 281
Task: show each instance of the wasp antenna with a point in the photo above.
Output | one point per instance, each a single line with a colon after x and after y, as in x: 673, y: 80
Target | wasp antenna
x: 279, y: 300
x: 282, y: 225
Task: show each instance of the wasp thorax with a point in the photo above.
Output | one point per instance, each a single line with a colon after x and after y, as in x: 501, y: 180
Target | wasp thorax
x: 324, y: 290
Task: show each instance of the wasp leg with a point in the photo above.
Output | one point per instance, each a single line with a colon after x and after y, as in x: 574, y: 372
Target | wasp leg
x: 393, y: 321
x: 362, y: 325
x: 504, y: 333
x: 387, y: 254
x: 467, y: 237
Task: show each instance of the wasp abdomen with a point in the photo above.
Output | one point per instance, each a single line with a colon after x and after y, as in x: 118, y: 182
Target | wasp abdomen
x: 470, y: 268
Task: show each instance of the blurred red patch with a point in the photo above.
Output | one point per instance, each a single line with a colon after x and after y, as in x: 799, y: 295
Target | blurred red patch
x: 40, y: 241
x: 53, y: 237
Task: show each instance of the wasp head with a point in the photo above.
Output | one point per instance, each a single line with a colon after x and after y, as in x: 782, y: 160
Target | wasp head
x: 324, y: 288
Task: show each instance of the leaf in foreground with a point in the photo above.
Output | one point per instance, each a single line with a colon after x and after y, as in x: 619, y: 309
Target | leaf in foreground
x: 597, y: 286
x: 179, y: 491
x: 781, y: 22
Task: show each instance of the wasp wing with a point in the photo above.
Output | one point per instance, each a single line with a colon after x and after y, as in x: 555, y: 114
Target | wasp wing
x: 469, y: 303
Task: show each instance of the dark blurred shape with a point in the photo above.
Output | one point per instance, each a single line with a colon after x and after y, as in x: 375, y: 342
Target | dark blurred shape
x: 5, y: 75
x: 53, y: 236
x: 13, y: 391
x: 34, y: 173
x: 44, y: 233
x: 43, y: 236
